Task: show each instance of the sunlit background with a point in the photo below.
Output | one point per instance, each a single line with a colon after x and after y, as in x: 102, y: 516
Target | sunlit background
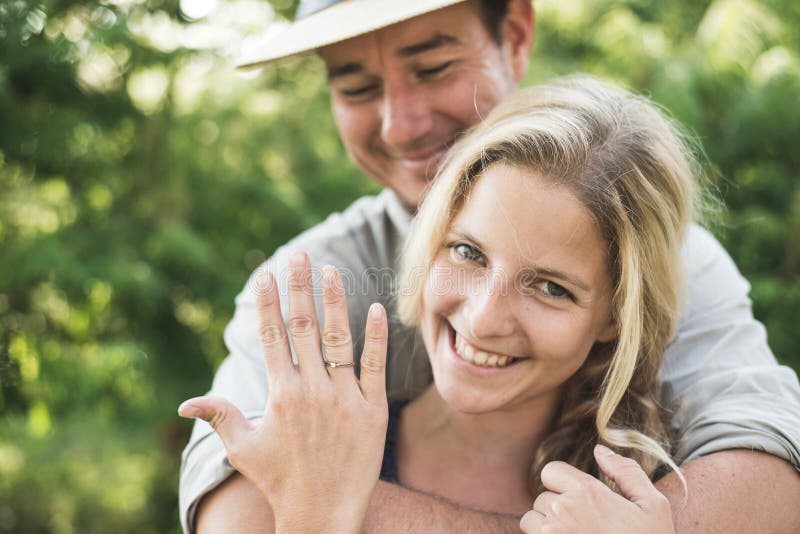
x: 142, y: 179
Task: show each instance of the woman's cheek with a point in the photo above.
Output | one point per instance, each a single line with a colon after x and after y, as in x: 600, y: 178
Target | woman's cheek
x: 444, y: 287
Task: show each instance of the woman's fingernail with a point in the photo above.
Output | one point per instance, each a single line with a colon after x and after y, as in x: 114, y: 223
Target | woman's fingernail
x: 264, y: 282
x: 375, y: 310
x: 298, y: 259
x: 188, y: 410
x: 602, y: 450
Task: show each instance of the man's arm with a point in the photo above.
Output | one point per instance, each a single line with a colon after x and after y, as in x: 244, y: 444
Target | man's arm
x: 730, y: 398
x: 394, y: 508
x: 720, y: 379
x: 735, y: 491
x: 238, y: 506
x: 729, y: 491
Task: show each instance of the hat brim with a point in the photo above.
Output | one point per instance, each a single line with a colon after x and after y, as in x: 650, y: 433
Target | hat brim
x: 336, y: 23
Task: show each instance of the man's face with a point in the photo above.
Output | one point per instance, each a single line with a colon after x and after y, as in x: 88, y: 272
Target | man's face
x: 401, y: 95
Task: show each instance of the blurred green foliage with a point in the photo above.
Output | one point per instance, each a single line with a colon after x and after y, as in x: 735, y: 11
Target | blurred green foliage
x: 142, y: 179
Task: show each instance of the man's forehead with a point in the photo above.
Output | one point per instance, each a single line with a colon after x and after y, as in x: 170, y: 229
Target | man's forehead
x: 452, y: 26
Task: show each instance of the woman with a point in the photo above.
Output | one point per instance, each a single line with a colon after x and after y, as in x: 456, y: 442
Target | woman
x: 543, y: 274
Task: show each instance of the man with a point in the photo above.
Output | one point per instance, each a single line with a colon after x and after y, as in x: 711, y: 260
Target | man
x: 406, y: 79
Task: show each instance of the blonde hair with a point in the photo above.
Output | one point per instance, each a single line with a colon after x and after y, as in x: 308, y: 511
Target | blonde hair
x: 631, y: 168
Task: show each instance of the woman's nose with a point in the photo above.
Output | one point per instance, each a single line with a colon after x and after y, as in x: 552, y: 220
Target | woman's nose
x: 490, y: 308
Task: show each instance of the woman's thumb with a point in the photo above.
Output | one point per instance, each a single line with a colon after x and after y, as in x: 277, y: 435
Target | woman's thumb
x: 222, y: 415
x: 626, y: 473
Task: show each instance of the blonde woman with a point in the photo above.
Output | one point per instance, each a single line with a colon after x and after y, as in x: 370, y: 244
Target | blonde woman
x: 543, y: 273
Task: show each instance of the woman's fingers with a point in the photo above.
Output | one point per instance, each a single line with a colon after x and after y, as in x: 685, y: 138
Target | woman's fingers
x: 560, y: 477
x: 223, y: 416
x: 544, y: 502
x: 271, y: 330
x: 337, y: 342
x: 532, y: 522
x: 373, y: 359
x: 302, y: 320
x: 628, y: 475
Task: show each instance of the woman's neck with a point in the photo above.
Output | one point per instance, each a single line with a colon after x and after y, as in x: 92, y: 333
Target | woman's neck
x: 482, y: 460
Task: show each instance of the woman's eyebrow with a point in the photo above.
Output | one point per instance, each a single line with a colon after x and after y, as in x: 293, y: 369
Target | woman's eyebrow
x: 460, y: 234
x: 538, y: 269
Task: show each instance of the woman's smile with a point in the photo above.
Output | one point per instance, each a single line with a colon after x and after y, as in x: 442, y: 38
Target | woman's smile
x: 495, y: 344
x: 470, y: 354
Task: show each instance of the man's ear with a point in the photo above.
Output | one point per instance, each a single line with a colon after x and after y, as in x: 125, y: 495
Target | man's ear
x: 518, y: 30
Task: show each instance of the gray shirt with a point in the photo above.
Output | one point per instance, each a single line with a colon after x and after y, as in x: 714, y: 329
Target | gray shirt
x: 719, y: 375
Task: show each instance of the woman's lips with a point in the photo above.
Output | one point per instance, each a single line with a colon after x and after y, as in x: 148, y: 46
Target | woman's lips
x: 467, y: 352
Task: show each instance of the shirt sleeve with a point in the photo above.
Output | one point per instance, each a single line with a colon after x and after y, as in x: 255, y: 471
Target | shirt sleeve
x: 241, y: 379
x: 721, y: 381
x: 204, y: 462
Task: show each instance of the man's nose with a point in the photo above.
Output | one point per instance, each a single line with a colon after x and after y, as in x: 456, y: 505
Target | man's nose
x: 406, y: 116
x: 490, y: 310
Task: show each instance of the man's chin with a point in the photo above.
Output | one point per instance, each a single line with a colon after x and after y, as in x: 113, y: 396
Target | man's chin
x: 418, y: 170
x: 411, y: 190
x: 409, y: 187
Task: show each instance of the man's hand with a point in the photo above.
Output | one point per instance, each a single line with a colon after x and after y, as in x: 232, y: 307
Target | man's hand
x: 579, y: 503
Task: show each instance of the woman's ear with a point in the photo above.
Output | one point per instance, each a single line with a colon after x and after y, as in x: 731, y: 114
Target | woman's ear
x: 518, y: 30
x: 608, y: 333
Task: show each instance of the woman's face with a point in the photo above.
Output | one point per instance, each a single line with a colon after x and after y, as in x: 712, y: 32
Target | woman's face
x: 517, y: 295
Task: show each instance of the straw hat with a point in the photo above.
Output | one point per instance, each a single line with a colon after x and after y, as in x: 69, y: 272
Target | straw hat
x: 323, y: 22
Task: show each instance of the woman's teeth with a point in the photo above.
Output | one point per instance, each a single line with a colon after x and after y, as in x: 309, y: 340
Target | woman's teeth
x: 478, y: 357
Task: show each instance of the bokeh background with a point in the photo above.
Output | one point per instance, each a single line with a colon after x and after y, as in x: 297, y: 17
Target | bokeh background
x: 142, y: 179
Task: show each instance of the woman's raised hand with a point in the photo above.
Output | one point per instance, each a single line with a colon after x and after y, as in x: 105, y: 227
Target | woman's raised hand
x: 316, y: 455
x: 579, y: 503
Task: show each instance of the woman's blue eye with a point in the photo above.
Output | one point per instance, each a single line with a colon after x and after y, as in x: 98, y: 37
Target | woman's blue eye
x: 462, y: 251
x: 551, y: 289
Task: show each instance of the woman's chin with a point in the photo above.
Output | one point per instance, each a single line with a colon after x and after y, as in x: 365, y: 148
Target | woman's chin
x: 463, y: 401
